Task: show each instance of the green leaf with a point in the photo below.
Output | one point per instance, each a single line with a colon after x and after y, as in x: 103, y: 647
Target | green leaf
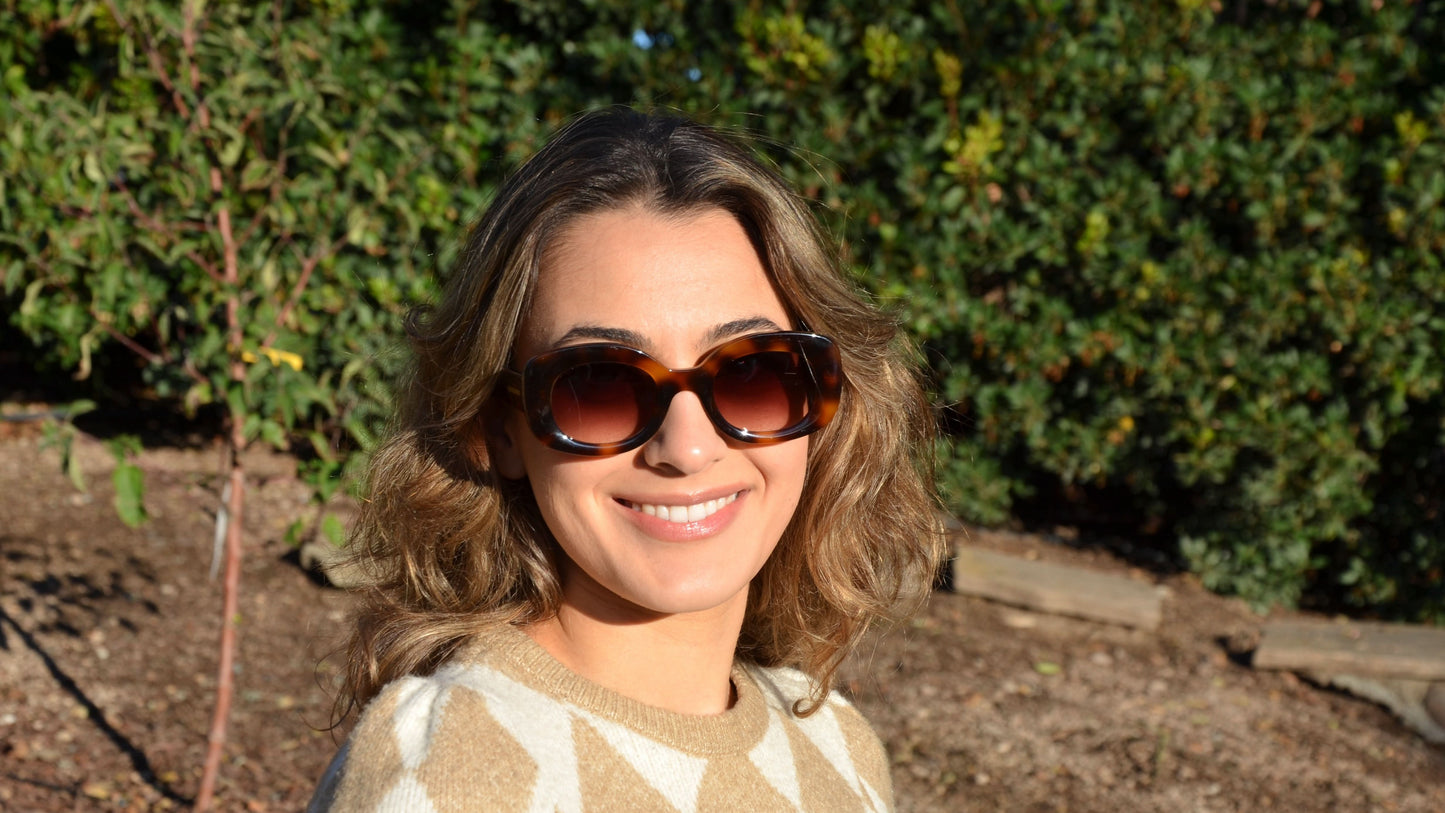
x: 72, y: 464
x: 251, y: 427
x: 123, y: 446
x: 129, y: 484
x: 294, y: 531
x: 334, y: 530
x: 274, y: 434
x: 92, y: 168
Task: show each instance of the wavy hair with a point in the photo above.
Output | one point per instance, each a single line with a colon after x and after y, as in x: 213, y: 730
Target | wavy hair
x: 452, y: 546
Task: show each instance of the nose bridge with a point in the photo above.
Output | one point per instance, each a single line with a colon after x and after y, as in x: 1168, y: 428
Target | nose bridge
x: 686, y: 441
x: 696, y: 380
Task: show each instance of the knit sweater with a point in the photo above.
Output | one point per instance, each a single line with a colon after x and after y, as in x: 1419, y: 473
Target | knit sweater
x: 505, y: 726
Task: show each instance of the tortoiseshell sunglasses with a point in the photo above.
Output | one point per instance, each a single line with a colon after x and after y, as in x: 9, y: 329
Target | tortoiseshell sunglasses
x: 605, y: 399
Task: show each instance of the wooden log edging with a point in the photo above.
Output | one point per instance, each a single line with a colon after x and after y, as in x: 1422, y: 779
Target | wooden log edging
x: 1055, y: 588
x: 1405, y: 651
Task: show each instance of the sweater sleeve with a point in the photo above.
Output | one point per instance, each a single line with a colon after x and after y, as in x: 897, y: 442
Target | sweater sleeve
x: 433, y: 743
x: 869, y: 756
x: 375, y: 769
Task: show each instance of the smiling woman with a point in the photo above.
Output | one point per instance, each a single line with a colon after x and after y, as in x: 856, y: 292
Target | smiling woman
x: 658, y: 468
x: 676, y: 284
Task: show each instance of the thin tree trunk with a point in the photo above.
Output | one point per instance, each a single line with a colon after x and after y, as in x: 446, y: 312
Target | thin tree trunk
x: 231, y: 585
x: 231, y: 592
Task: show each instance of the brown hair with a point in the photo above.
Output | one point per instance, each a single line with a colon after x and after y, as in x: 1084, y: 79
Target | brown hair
x: 453, y: 546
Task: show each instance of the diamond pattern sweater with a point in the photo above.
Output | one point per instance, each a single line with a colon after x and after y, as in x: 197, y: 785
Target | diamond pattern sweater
x: 505, y: 726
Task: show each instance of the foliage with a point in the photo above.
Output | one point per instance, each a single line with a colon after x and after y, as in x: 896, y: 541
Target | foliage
x: 128, y: 481
x: 60, y: 434
x: 1185, y: 256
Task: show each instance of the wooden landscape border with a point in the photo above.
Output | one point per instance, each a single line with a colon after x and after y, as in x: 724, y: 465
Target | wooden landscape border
x: 1056, y: 588
x: 1405, y: 651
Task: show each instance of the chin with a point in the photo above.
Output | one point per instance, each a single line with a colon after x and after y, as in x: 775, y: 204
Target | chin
x: 702, y: 600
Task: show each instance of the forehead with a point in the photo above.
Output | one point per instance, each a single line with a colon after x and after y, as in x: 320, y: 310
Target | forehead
x: 668, y: 278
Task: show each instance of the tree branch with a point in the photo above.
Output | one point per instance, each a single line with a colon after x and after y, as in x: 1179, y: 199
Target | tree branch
x: 150, y: 356
x: 278, y: 181
x: 307, y: 267
x: 153, y: 57
x: 230, y: 276
x: 146, y: 219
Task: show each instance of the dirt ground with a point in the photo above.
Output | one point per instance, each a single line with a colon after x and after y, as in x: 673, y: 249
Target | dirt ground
x: 108, y: 651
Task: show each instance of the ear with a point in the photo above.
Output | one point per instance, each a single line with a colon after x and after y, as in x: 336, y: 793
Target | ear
x: 500, y: 428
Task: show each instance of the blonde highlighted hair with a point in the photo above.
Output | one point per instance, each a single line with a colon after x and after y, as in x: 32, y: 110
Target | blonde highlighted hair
x: 454, y: 547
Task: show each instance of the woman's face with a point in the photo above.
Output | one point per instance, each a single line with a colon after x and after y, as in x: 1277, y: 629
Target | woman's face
x: 674, y: 287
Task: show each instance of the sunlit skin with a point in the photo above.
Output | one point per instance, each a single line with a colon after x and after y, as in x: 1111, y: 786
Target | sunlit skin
x: 653, y: 609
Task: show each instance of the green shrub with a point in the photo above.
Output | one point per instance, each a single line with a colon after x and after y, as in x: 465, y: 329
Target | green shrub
x: 1186, y: 256
x: 1189, y: 257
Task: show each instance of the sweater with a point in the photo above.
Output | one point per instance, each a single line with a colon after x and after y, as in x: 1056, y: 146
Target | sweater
x: 505, y: 726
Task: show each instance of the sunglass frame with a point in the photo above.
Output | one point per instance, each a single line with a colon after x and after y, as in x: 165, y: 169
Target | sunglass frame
x: 530, y: 390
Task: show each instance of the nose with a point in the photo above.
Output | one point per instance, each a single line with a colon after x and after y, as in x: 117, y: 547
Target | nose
x: 687, y: 442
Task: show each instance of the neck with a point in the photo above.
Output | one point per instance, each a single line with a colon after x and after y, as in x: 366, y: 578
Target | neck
x: 679, y: 662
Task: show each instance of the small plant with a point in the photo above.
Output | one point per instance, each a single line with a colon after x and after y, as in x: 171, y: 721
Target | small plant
x: 60, y: 433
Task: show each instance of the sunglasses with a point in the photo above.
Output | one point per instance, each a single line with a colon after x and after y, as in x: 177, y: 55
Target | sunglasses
x: 605, y: 399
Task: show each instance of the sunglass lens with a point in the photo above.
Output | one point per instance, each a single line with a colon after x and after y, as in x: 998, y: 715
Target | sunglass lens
x: 601, y: 402
x: 763, y: 392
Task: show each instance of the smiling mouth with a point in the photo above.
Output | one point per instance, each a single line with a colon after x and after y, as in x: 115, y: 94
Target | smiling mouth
x: 683, y: 513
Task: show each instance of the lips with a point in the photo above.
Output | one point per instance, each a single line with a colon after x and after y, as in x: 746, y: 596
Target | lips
x: 680, y: 514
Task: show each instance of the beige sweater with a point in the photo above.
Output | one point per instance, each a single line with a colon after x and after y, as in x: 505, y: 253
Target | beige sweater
x: 504, y: 726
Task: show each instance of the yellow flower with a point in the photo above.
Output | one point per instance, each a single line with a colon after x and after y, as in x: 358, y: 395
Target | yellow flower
x: 276, y: 357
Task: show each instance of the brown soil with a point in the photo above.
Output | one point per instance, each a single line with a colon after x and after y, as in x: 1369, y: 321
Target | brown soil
x: 108, y: 651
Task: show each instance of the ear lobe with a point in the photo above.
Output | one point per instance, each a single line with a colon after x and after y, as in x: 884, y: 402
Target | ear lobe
x: 502, y: 446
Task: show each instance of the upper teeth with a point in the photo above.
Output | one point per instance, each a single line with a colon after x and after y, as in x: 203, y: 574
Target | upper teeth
x: 684, y: 513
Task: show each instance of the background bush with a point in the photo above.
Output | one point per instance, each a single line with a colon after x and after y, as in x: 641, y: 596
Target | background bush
x: 1176, y: 266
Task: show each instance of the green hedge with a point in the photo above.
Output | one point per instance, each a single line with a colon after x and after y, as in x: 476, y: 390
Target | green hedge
x: 1182, y: 255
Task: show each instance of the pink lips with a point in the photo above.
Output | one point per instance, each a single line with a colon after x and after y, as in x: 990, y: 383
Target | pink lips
x: 666, y: 531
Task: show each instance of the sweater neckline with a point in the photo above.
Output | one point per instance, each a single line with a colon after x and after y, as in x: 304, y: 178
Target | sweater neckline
x: 734, y: 730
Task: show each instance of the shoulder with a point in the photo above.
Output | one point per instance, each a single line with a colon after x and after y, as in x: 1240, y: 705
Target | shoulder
x: 427, y: 740
x: 782, y: 688
x: 836, y: 732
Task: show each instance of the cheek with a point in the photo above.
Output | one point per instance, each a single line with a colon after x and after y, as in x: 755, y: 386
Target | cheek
x: 562, y: 484
x: 785, y: 467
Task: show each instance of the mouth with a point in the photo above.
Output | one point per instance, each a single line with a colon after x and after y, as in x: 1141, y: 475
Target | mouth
x: 679, y: 514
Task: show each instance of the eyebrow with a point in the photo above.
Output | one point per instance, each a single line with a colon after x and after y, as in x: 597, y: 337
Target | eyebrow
x: 603, y: 334
x: 714, y: 335
x: 738, y: 327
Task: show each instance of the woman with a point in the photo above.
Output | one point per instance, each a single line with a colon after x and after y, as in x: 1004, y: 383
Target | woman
x: 658, y: 468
